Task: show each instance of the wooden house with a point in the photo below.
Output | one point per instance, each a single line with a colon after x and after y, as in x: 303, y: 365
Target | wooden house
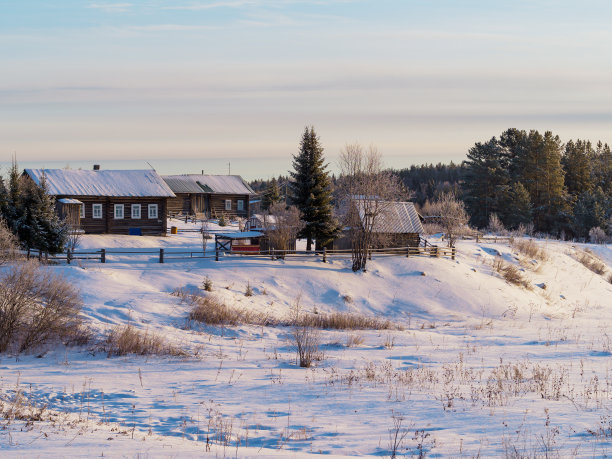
x: 397, y: 224
x: 109, y: 201
x: 212, y: 195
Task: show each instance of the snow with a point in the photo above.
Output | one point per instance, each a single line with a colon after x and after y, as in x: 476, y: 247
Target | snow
x: 216, y: 184
x: 114, y: 183
x: 480, y: 366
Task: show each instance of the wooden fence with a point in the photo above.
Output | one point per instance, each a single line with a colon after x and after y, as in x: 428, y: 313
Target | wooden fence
x: 164, y: 255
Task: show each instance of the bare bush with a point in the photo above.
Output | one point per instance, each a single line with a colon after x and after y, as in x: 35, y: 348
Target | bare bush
x: 8, y: 243
x: 354, y: 340
x: 590, y: 261
x: 36, y: 307
x: 529, y: 248
x: 306, y: 341
x: 597, y: 235
x: 126, y: 339
x: 450, y: 214
x: 496, y: 226
x: 511, y: 273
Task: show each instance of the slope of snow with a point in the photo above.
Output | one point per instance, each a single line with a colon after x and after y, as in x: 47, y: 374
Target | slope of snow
x: 481, y: 366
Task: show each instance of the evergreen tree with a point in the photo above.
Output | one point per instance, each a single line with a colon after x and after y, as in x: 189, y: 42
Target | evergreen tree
x: 272, y: 195
x: 577, y: 160
x: 540, y: 172
x: 591, y: 210
x: 516, y: 208
x: 310, y: 191
x: 602, y: 168
x: 486, y: 178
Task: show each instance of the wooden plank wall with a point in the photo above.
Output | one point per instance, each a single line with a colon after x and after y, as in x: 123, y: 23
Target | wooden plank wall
x: 108, y: 223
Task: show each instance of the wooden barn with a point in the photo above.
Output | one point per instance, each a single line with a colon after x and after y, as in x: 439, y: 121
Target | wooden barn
x: 398, y: 224
x: 108, y: 201
x: 212, y: 195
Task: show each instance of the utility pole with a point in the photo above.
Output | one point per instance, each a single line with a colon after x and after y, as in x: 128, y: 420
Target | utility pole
x: 229, y: 168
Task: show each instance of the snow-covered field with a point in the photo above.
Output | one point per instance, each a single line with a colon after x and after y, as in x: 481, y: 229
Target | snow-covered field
x: 481, y: 367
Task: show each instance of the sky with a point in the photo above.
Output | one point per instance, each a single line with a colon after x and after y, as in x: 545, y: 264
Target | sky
x: 423, y: 80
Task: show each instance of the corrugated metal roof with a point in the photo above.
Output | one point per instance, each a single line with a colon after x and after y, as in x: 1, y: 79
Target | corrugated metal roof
x: 112, y: 183
x: 394, y: 217
x: 215, y: 184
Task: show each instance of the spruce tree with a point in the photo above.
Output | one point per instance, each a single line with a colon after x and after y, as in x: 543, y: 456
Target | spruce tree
x: 310, y: 191
x: 272, y: 195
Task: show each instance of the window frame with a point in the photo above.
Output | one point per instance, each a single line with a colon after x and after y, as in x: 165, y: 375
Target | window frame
x: 81, y: 210
x: 240, y: 205
x: 134, y: 207
x: 115, y: 213
x: 149, y: 213
x: 228, y: 204
x: 93, y: 211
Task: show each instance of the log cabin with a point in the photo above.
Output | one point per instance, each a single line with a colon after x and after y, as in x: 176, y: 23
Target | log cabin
x: 109, y: 201
x: 211, y: 195
x: 397, y: 224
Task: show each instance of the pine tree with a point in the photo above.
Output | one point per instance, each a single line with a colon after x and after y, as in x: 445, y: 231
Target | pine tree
x: 272, y: 195
x: 540, y: 172
x: 516, y: 208
x: 310, y: 191
x: 577, y: 160
x: 486, y: 178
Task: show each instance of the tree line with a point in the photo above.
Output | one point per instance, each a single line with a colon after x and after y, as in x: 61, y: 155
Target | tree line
x: 520, y: 179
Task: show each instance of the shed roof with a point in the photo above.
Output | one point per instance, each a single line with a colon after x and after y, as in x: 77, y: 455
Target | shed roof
x: 113, y: 183
x: 214, y: 184
x: 239, y: 235
x: 394, y: 217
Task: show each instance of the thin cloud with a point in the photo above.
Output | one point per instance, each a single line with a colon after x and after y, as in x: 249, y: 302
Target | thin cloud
x: 111, y: 7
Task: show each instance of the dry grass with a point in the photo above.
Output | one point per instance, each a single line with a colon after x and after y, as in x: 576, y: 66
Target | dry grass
x: 306, y: 341
x: 354, y: 340
x: 511, y: 273
x: 529, y: 248
x: 590, y: 261
x: 344, y: 321
x: 212, y: 311
x: 126, y: 339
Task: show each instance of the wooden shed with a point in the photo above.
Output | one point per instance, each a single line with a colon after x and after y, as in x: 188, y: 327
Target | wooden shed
x: 109, y: 201
x: 398, y: 224
x: 212, y: 195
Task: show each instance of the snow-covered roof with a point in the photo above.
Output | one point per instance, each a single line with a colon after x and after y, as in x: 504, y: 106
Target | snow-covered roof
x: 215, y: 184
x: 113, y: 183
x: 69, y: 201
x: 239, y: 235
x: 393, y: 217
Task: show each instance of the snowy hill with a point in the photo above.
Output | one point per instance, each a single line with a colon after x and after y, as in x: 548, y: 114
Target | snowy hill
x: 478, y: 366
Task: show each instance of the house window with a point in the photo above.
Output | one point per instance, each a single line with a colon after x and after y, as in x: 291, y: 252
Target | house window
x: 135, y: 210
x: 228, y: 204
x: 118, y: 211
x: 82, y: 211
x: 96, y: 211
x: 152, y: 210
x: 240, y: 204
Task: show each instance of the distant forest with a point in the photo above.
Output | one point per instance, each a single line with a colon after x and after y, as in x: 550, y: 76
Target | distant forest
x: 526, y: 179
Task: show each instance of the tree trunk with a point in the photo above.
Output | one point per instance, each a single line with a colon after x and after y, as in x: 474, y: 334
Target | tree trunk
x: 309, y: 243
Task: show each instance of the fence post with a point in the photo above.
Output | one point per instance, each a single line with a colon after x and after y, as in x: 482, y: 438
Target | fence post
x: 477, y: 235
x: 324, y: 255
x: 407, y: 251
x: 102, y: 255
x: 68, y: 256
x: 161, y: 255
x: 216, y: 254
x: 453, y: 251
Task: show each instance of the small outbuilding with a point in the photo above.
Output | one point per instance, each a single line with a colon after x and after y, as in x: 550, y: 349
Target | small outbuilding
x: 210, y: 195
x: 108, y: 201
x: 397, y: 224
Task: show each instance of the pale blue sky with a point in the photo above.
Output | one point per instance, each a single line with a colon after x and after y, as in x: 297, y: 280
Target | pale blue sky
x: 194, y: 79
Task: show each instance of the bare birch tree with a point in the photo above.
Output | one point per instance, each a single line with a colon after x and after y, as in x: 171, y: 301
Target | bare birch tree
x: 366, y: 190
x: 450, y: 214
x: 282, y: 225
